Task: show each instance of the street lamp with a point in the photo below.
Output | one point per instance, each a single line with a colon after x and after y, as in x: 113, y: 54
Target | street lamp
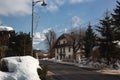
x: 33, y: 4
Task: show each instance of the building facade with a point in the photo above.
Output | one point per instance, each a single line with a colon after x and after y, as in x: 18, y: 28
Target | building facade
x: 64, y: 49
x: 5, y: 34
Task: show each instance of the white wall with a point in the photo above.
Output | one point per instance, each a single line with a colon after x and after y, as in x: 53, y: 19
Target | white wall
x: 62, y: 41
x: 67, y: 53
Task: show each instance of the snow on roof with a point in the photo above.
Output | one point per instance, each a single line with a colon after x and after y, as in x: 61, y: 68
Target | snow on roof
x: 5, y: 28
x: 24, y: 70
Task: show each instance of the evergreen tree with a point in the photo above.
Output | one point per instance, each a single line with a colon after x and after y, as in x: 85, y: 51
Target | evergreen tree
x: 116, y: 20
x: 89, y: 40
x: 106, y: 30
x: 19, y: 44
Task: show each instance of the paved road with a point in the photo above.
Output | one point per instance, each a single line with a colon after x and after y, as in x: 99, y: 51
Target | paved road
x: 67, y: 72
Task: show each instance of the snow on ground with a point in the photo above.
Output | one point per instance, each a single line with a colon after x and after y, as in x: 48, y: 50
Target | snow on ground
x: 26, y: 69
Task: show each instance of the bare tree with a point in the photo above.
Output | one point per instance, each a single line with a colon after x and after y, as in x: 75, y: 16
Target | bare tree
x: 77, y: 37
x: 50, y: 41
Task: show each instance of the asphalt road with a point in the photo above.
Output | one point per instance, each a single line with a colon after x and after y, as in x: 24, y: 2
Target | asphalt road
x: 69, y: 72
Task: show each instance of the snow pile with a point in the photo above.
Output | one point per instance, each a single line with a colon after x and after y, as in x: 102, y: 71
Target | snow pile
x: 23, y: 68
x: 96, y: 65
x: 5, y: 28
x: 101, y: 64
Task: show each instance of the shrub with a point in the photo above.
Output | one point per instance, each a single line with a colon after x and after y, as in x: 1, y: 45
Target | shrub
x: 3, y: 66
x: 42, y: 72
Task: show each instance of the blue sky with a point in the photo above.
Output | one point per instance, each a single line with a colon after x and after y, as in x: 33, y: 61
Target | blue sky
x: 60, y: 15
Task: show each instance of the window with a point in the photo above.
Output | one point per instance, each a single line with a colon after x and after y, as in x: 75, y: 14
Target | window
x: 57, y: 50
x: 63, y: 42
x: 60, y: 50
x: 64, y: 49
x: 58, y: 43
x: 69, y: 56
x: 69, y: 49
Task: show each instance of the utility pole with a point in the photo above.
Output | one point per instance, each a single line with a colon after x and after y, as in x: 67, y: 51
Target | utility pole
x: 33, y: 4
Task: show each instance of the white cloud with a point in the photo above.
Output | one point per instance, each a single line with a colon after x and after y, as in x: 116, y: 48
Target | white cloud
x: 76, y: 21
x: 52, y: 7
x: 23, y: 7
x: 13, y: 7
x: 39, y: 41
x: 65, y: 30
x: 39, y: 36
x: 60, y: 2
x: 78, y: 1
x: 47, y: 30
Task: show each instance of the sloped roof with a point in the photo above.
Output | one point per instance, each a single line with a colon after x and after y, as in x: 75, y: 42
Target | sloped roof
x: 69, y: 37
x: 65, y: 36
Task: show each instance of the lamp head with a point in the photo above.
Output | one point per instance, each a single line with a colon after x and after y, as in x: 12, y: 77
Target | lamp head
x: 43, y: 3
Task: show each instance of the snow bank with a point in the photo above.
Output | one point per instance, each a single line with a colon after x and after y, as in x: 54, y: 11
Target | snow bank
x: 5, y: 28
x: 23, y: 68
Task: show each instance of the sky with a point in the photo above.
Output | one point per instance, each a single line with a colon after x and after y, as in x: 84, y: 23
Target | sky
x: 60, y: 15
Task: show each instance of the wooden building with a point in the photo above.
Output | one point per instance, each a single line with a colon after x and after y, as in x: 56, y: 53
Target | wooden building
x: 5, y: 33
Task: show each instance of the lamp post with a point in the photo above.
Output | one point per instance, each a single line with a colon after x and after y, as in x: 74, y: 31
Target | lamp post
x: 33, y: 4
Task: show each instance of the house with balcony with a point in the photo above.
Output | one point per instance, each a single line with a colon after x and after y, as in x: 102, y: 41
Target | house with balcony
x: 64, y: 49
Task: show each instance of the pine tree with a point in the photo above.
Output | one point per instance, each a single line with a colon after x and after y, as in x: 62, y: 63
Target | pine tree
x: 116, y: 20
x: 89, y: 40
x: 106, y: 40
x: 19, y: 44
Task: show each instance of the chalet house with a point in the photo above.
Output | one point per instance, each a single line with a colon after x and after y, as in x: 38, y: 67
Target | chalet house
x: 63, y: 49
x: 5, y: 33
